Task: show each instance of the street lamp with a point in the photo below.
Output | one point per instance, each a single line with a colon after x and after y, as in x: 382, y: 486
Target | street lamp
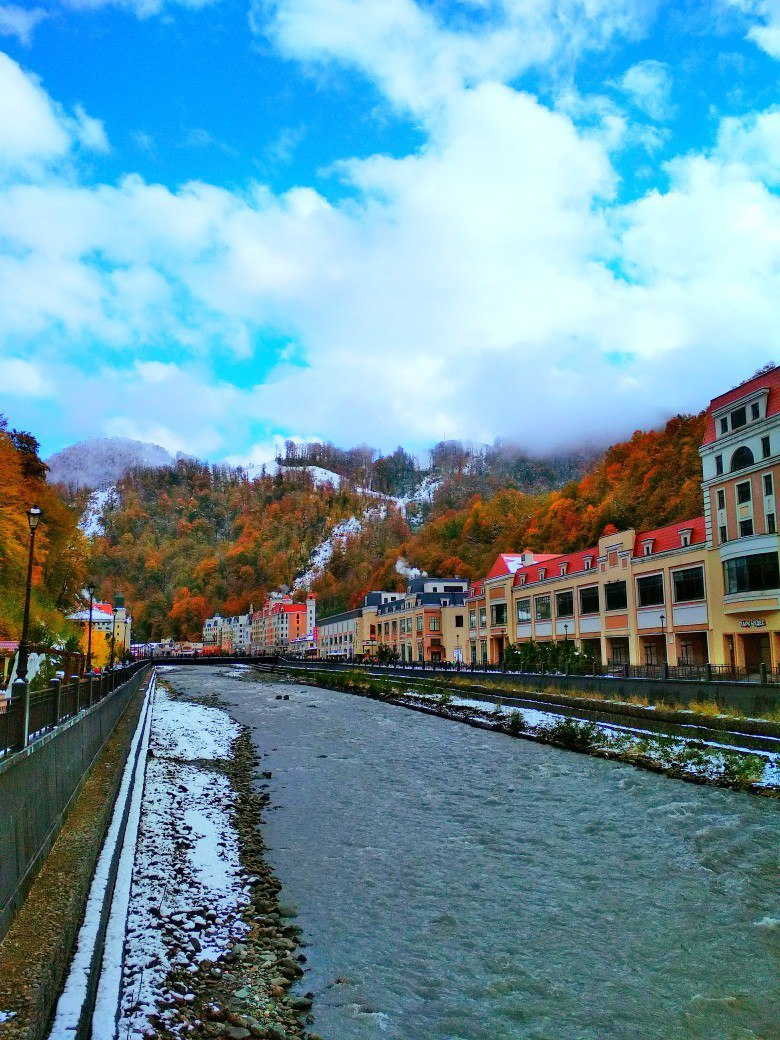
x: 91, y: 591
x: 566, y: 633
x: 113, y: 637
x: 663, y: 621
x: 33, y: 519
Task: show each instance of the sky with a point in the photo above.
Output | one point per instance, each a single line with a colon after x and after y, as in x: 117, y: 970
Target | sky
x: 224, y: 223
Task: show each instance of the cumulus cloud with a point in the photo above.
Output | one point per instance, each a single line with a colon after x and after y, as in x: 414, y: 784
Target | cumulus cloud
x: 418, y: 58
x: 754, y: 142
x: 35, y: 131
x: 649, y: 86
x: 488, y: 284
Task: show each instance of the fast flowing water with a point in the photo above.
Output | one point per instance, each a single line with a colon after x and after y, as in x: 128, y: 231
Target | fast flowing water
x: 455, y: 884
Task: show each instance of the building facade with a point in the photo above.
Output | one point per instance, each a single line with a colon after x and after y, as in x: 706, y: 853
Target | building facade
x: 427, y: 623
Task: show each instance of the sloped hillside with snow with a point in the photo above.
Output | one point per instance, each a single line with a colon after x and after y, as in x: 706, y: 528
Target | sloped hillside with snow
x: 102, y: 461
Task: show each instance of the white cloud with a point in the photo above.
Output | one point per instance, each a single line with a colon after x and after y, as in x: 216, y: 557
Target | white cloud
x: 34, y: 131
x: 754, y: 142
x: 488, y: 284
x: 141, y: 8
x: 19, y: 378
x: 418, y: 60
x: 20, y: 21
x: 765, y: 30
x: 649, y: 86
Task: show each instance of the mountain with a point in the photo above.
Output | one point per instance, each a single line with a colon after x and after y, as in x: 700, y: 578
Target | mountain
x: 184, y: 541
x: 99, y: 462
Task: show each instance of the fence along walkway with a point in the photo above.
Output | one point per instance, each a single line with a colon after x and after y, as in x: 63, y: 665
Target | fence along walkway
x: 28, y: 715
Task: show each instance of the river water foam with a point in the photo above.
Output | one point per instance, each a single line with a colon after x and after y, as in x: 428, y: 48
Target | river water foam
x: 456, y: 884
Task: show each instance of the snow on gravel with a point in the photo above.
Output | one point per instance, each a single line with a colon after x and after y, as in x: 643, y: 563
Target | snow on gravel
x: 188, y: 892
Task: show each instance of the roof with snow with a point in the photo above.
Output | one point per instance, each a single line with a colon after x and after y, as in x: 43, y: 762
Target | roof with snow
x: 664, y: 539
x: 767, y: 380
x: 510, y: 563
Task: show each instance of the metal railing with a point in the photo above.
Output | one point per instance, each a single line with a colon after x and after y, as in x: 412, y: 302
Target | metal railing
x: 703, y: 673
x: 26, y: 715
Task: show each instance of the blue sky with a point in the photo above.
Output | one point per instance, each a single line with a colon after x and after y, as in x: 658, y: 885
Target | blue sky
x: 390, y: 221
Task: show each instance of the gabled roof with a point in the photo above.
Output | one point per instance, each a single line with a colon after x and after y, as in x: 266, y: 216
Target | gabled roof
x: 575, y: 562
x: 510, y: 563
x: 666, y: 538
x: 769, y: 380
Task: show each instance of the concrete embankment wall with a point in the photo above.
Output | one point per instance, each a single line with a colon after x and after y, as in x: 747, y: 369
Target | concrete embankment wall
x: 37, y: 787
x: 750, y: 698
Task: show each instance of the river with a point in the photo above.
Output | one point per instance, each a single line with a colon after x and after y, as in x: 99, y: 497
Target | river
x: 455, y: 884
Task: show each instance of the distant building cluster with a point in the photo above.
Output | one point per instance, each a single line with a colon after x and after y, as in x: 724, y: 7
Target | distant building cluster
x: 108, y: 620
x: 703, y: 591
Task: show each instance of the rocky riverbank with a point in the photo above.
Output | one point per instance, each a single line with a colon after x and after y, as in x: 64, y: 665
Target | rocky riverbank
x: 691, y: 760
x: 209, y: 950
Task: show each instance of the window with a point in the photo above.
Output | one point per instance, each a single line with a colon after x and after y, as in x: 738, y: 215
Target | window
x: 434, y: 624
x: 483, y: 617
x: 589, y: 600
x: 743, y: 492
x: 588, y: 562
x: 723, y: 533
x: 523, y: 611
x: 472, y: 619
x: 765, y: 449
x: 688, y: 585
x: 542, y: 608
x: 498, y: 614
x: 647, y: 548
x: 752, y: 573
x: 738, y: 418
x: 564, y: 604
x: 419, y: 623
x: 458, y: 621
x: 721, y: 499
x: 718, y: 464
x: 769, y: 486
x: 615, y: 595
x: 754, y: 410
x: 745, y: 528
x: 542, y: 572
x: 741, y: 459
x: 685, y: 539
x: 724, y: 424
x: 650, y: 590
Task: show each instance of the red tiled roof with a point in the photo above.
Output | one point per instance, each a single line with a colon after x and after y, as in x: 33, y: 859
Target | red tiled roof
x: 509, y: 563
x: 575, y: 562
x: 770, y: 380
x: 666, y: 538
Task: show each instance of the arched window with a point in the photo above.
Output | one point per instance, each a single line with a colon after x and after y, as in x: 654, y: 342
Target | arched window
x: 741, y: 458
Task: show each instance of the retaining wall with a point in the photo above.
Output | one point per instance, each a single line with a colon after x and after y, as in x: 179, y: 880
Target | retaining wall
x: 38, y: 785
x: 750, y: 698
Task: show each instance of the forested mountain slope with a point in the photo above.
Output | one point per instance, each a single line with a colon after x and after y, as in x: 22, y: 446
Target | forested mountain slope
x: 60, y: 548
x: 184, y: 541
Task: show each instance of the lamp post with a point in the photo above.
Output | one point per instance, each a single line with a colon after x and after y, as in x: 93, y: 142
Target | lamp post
x: 91, y: 591
x: 33, y: 519
x: 113, y: 639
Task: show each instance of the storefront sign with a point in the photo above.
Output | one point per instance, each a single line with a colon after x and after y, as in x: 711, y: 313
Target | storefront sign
x: 757, y: 622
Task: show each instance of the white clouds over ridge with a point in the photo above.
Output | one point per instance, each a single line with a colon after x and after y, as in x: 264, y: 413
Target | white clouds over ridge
x: 488, y: 284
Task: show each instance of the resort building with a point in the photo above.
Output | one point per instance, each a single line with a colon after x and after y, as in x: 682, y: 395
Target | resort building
x: 428, y: 623
x: 741, y: 468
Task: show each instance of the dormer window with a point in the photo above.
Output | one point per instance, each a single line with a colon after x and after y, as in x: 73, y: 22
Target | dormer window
x: 647, y: 547
x: 755, y: 410
x: 739, y: 418
x: 588, y: 562
x: 564, y: 568
x: 724, y: 425
x: 542, y: 572
x: 685, y: 538
x: 522, y: 579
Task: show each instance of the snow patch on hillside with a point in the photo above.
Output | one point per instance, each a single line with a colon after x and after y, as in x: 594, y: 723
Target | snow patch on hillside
x: 91, y: 522
x: 321, y: 554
